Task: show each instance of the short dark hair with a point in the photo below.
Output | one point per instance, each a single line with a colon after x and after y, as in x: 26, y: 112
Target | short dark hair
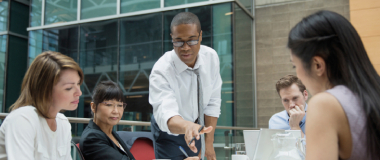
x: 287, y: 81
x: 185, y: 18
x: 106, y: 90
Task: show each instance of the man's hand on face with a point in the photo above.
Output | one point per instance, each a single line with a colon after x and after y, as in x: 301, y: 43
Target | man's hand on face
x: 192, y: 131
x: 296, y: 115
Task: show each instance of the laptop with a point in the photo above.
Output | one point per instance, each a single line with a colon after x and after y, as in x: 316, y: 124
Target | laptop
x: 258, y: 143
x: 250, y: 140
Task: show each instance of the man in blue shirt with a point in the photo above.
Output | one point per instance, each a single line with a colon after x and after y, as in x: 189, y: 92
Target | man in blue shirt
x: 293, y: 96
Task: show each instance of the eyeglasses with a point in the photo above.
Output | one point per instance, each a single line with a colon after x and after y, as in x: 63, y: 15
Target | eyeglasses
x: 190, y: 43
x: 118, y: 105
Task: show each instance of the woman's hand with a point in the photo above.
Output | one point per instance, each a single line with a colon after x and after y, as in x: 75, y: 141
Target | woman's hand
x: 192, y: 158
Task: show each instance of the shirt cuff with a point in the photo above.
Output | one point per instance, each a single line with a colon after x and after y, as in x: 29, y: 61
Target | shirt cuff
x: 213, y: 111
x: 164, y: 122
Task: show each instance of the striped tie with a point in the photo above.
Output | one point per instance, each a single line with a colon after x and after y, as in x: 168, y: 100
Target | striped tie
x: 200, y: 110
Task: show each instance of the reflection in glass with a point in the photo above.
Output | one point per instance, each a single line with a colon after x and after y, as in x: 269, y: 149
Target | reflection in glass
x: 35, y: 45
x: 222, y: 43
x: 179, y: 2
x: 244, y: 55
x: 247, y: 4
x: 138, y: 5
x: 140, y: 48
x: 57, y: 11
x: 96, y: 8
x: 3, y: 15
x: 64, y: 40
x: 35, y: 13
x: 98, y: 60
x: 3, y: 49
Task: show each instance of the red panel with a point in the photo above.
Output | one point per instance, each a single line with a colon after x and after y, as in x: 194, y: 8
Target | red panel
x: 142, y: 149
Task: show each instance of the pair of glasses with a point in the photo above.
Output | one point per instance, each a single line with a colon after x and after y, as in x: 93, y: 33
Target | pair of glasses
x: 190, y: 43
x: 118, y: 105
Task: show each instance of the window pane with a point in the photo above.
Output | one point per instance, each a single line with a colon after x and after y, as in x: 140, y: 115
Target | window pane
x: 138, y: 5
x: 21, y: 11
x: 247, y: 4
x: 98, y: 59
x: 16, y: 68
x: 57, y: 11
x: 179, y: 2
x: 3, y: 15
x: 222, y: 43
x: 140, y: 48
x: 35, y: 13
x: 35, y: 45
x: 3, y: 49
x: 97, y: 8
x: 63, y: 40
x: 245, y: 116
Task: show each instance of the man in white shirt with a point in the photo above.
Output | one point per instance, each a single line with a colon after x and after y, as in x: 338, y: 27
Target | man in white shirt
x: 175, y: 96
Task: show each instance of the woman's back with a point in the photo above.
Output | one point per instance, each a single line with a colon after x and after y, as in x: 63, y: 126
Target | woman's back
x: 356, y: 119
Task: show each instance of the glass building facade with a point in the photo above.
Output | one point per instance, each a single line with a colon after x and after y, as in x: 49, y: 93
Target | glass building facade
x: 120, y: 40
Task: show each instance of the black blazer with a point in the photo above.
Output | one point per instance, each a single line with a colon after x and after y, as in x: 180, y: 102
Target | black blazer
x: 96, y: 145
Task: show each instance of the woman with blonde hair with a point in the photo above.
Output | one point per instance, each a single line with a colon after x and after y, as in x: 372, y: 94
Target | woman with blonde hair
x: 35, y: 129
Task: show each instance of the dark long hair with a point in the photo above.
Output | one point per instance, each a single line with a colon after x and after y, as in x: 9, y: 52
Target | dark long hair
x: 332, y: 37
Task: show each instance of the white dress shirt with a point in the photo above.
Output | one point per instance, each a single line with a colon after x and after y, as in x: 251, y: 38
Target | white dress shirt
x: 25, y: 134
x: 173, y: 87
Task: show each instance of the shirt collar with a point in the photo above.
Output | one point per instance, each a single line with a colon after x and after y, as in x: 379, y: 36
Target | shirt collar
x: 181, y: 66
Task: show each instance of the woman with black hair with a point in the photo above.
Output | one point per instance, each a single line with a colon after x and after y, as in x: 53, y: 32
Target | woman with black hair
x: 343, y: 118
x: 98, y: 140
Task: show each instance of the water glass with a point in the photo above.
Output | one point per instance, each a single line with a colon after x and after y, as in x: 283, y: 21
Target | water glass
x: 240, y: 149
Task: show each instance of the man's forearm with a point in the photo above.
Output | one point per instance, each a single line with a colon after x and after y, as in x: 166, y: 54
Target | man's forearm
x: 177, y: 125
x: 210, y: 121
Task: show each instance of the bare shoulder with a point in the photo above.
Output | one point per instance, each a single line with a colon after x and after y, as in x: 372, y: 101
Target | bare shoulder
x: 323, y: 101
x: 326, y: 108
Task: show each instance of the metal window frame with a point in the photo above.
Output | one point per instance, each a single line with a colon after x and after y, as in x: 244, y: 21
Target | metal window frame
x: 42, y: 14
x: 156, y: 10
x: 6, y: 59
x: 79, y: 7
x: 234, y: 61
x: 254, y: 60
x: 118, y: 7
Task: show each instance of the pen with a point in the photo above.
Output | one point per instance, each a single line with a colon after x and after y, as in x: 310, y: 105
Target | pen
x: 183, y: 151
x: 194, y: 137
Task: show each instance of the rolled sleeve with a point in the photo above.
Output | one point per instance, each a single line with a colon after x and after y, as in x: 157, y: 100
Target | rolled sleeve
x: 162, y: 99
x: 213, y: 106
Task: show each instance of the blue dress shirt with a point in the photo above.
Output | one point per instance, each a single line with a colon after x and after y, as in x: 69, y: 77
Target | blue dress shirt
x: 281, y: 121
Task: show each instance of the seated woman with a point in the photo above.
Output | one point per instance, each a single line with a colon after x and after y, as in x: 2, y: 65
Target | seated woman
x: 98, y: 140
x: 344, y: 113
x: 34, y: 129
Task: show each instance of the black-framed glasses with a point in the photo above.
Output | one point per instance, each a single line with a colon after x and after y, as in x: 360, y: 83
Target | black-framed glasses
x: 190, y: 43
x: 118, y: 105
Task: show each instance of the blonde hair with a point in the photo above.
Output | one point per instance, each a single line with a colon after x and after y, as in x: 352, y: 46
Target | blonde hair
x: 39, y: 80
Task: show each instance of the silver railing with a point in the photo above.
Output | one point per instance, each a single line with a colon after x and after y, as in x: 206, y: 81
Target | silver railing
x: 226, y: 145
x: 135, y: 123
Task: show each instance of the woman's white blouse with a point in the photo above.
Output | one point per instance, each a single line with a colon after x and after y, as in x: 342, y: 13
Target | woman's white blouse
x: 25, y: 134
